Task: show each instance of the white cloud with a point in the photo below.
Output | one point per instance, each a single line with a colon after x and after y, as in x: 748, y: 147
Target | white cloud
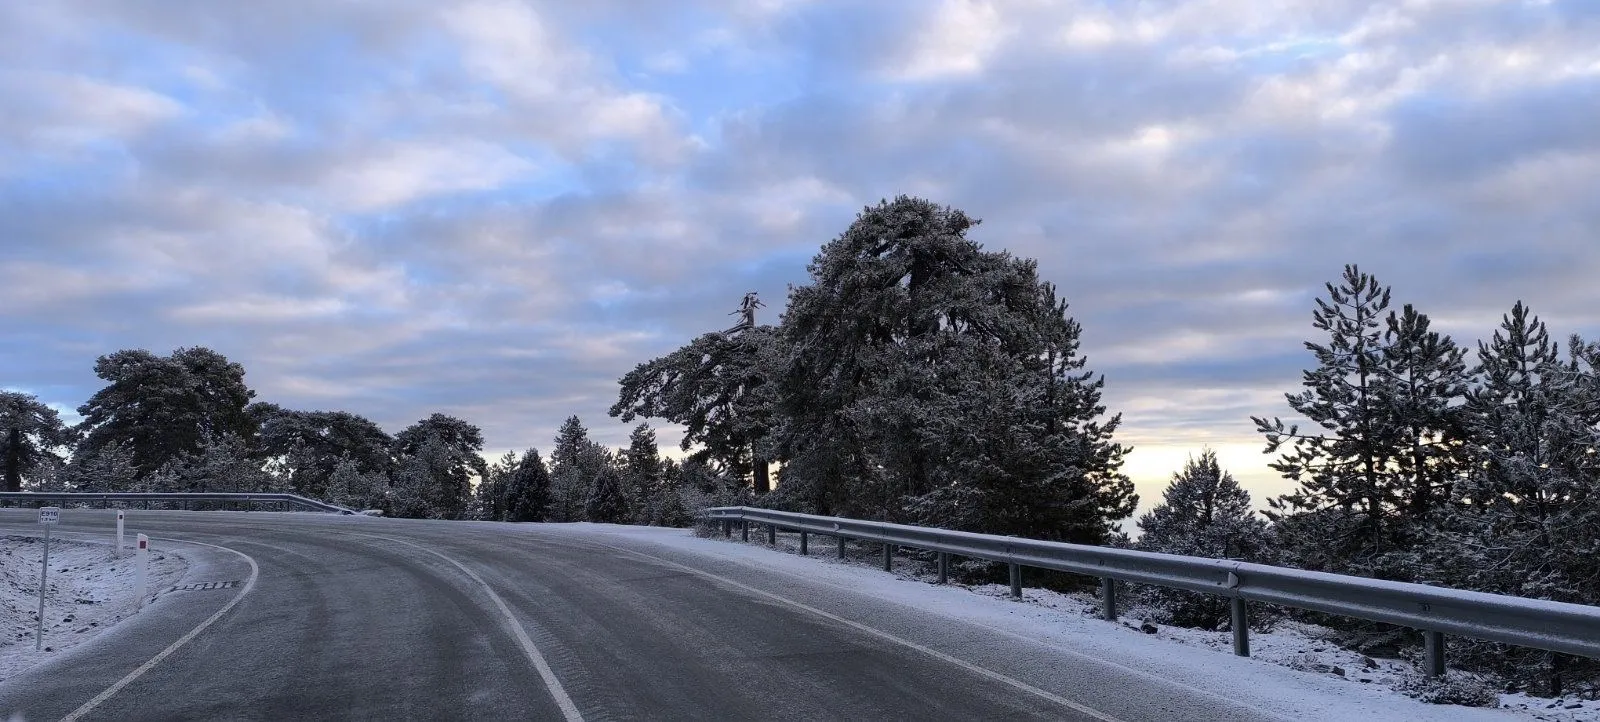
x: 70, y: 109
x: 397, y: 173
x: 957, y: 41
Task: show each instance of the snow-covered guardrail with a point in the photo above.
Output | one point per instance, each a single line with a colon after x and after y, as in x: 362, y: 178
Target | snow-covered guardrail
x: 284, y: 501
x: 1540, y: 624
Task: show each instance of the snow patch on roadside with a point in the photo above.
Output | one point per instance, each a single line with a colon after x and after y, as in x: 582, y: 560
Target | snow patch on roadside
x: 88, y: 591
x: 1293, y: 667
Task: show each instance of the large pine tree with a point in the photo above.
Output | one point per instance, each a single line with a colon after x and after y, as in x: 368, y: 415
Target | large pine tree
x: 32, y: 437
x: 1347, y: 481
x: 455, y: 458
x: 164, y: 406
x: 931, y: 381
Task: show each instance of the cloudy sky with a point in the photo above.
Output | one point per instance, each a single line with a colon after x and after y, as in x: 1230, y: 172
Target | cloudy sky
x: 495, y: 209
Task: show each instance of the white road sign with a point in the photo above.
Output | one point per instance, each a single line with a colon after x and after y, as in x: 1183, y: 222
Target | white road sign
x: 49, y: 515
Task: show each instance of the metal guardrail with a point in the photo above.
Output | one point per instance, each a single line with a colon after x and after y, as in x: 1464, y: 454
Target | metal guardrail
x: 1540, y: 624
x: 76, y: 497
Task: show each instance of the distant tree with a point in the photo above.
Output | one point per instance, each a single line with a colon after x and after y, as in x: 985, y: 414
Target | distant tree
x: 721, y: 388
x: 576, y: 462
x: 108, y: 468
x: 490, y: 503
x: 32, y: 438
x: 417, y: 482
x: 606, y: 503
x: 527, y: 489
x: 306, y: 446
x: 1204, y: 512
x: 164, y: 406
x: 352, y: 487
x: 223, y: 464
x: 457, y: 460
x: 641, y: 471
x: 674, y: 509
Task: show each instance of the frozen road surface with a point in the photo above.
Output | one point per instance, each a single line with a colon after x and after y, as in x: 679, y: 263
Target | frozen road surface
x: 298, y: 616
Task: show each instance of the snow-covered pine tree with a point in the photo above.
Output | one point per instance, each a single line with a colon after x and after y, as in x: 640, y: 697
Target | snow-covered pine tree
x: 353, y: 488
x: 458, y: 445
x: 223, y: 464
x: 32, y: 439
x: 674, y: 510
x: 1348, y: 488
x: 490, y: 494
x: 641, y: 471
x: 108, y: 468
x: 527, y: 489
x: 575, y: 462
x: 1526, y: 514
x: 720, y: 388
x: 933, y: 382
x: 1204, y: 512
x: 607, y: 504
x: 415, y: 482
x: 1424, y: 385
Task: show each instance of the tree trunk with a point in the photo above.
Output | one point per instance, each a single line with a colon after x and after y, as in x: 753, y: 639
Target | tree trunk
x: 763, y: 479
x: 14, y: 460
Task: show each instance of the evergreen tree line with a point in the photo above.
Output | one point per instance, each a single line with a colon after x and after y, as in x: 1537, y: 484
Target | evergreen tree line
x: 1417, y: 460
x: 585, y: 481
x: 187, y: 422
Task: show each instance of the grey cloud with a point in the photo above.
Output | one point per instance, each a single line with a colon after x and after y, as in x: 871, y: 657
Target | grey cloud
x: 1449, y: 138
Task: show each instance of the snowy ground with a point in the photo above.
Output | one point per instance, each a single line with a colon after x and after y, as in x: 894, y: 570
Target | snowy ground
x: 88, y: 591
x: 1044, y: 614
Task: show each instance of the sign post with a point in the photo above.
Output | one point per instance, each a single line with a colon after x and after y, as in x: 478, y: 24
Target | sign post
x: 119, y: 534
x: 142, y: 553
x: 48, y: 516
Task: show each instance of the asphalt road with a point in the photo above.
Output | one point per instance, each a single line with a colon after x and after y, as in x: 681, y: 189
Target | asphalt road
x: 360, y: 618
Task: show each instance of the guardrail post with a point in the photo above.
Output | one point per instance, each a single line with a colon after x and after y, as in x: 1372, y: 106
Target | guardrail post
x: 772, y: 535
x: 1016, y: 580
x: 744, y: 530
x: 1241, y: 626
x: 841, y: 546
x: 1108, y: 599
x: 1432, y: 653
x: 804, y: 537
x: 944, y: 567
x: 888, y: 557
x: 727, y: 528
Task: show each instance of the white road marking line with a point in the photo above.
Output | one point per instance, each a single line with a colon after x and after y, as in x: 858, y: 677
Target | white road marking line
x: 991, y: 674
x: 255, y: 572
x: 568, y: 708
x: 1153, y: 678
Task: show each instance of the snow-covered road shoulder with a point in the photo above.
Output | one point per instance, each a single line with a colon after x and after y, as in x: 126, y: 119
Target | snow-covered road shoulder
x: 1293, y: 673
x: 89, y: 590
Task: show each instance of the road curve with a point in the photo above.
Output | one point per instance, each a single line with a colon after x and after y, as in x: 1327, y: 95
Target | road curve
x: 361, y: 618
